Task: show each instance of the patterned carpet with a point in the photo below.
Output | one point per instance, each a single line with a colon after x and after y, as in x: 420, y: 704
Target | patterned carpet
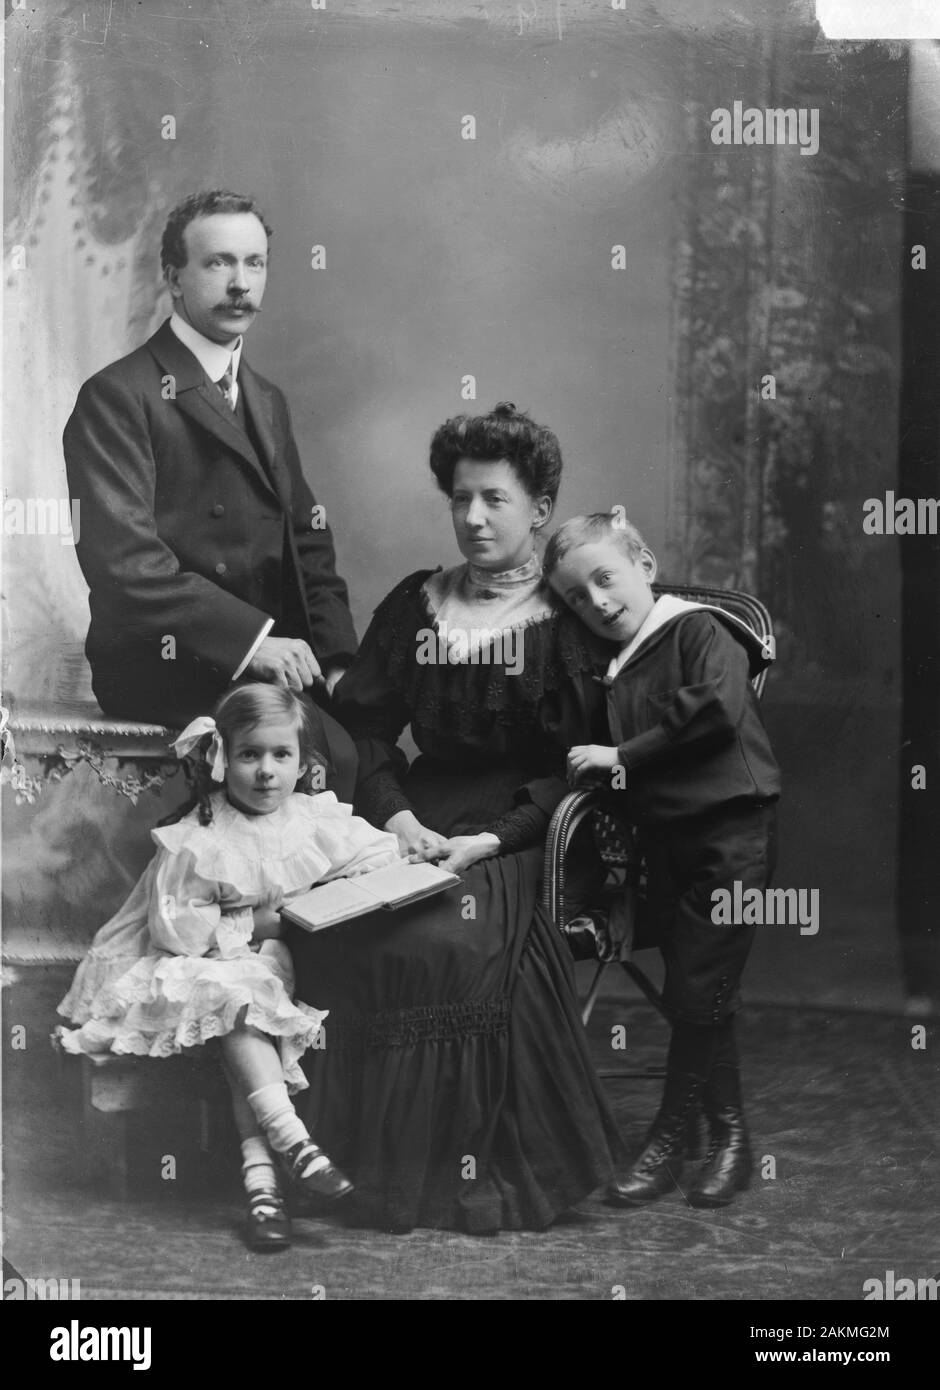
x: 844, y: 1106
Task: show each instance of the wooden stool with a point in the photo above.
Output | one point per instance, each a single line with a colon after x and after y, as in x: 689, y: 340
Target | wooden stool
x: 117, y: 1091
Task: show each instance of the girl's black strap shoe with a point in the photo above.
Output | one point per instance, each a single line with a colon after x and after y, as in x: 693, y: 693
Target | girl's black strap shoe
x: 314, y: 1173
x: 267, y: 1224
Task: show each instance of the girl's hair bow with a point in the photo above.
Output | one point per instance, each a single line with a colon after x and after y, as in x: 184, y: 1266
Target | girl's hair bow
x: 193, y: 735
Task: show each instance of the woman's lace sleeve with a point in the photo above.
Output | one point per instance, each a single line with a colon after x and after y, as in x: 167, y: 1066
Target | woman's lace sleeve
x: 520, y: 828
x: 527, y: 823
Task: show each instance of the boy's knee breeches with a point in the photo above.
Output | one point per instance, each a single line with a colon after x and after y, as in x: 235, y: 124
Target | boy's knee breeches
x: 686, y: 863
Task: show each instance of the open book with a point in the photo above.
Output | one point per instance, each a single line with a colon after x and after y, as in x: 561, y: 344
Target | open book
x: 395, y: 886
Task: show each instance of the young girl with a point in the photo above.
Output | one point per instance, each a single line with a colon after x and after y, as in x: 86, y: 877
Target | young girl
x: 195, y: 954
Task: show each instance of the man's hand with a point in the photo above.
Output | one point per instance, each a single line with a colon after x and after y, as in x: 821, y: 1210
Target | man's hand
x: 460, y: 851
x: 589, y: 762
x: 285, y: 661
x: 415, y: 841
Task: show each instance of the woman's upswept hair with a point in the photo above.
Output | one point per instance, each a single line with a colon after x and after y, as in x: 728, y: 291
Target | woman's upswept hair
x: 596, y: 526
x: 531, y: 449
x: 240, y: 709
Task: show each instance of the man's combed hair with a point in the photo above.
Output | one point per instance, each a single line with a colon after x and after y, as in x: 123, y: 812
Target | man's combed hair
x: 506, y: 433
x: 585, y: 530
x: 205, y: 204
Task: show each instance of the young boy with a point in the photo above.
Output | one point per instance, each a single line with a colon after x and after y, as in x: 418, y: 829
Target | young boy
x: 685, y: 752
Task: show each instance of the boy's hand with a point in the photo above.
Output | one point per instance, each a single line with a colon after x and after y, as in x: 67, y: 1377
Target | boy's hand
x: 589, y: 762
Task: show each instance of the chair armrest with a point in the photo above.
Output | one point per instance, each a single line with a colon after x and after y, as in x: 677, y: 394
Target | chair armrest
x: 568, y: 815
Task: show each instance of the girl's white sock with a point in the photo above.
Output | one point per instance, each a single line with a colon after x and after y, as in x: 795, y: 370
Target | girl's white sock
x: 258, y: 1172
x: 272, y: 1109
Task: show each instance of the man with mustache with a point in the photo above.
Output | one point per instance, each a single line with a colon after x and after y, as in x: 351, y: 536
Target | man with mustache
x: 206, y: 555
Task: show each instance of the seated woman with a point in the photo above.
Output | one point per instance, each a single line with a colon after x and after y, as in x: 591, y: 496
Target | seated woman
x: 455, y: 1082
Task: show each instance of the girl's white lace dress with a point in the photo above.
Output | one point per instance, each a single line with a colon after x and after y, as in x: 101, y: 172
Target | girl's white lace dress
x: 176, y: 967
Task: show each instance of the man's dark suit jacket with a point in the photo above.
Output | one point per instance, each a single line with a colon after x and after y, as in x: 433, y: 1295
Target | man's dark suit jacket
x: 189, y: 540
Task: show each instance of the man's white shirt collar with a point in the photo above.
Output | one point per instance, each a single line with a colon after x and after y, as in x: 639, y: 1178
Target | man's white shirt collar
x: 213, y: 357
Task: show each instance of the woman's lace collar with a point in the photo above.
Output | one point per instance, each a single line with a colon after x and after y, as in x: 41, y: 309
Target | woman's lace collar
x: 474, y: 603
x: 528, y: 575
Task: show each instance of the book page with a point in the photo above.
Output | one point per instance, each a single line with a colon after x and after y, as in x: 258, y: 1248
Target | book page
x: 398, y: 882
x: 330, y: 902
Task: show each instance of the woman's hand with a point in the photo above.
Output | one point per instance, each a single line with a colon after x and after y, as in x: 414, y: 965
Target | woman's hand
x: 460, y: 851
x: 415, y: 841
x: 589, y: 763
x: 267, y: 924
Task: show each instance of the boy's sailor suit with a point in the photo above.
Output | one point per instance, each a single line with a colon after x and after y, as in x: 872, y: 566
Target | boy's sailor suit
x: 699, y: 782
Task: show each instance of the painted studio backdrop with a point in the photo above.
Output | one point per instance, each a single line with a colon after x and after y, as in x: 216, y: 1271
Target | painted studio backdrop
x: 589, y: 254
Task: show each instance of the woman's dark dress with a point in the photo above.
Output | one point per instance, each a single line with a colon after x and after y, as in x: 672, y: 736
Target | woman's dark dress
x: 455, y: 1084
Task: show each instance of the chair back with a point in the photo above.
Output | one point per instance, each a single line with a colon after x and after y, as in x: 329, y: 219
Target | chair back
x: 748, y: 609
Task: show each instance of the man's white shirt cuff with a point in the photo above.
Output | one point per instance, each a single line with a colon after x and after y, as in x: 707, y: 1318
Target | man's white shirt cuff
x: 249, y: 655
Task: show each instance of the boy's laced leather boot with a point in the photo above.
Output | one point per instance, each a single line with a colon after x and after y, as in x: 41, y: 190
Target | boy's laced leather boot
x: 728, y: 1163
x: 656, y: 1170
x: 691, y: 1051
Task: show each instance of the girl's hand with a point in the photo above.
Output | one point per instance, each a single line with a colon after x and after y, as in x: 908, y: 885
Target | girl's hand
x: 460, y: 851
x: 268, y: 924
x: 415, y: 841
x: 589, y: 762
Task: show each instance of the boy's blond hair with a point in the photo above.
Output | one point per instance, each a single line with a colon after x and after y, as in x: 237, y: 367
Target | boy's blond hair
x: 596, y: 526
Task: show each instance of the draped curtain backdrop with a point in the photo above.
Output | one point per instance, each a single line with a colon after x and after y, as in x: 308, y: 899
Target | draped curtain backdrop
x: 492, y: 257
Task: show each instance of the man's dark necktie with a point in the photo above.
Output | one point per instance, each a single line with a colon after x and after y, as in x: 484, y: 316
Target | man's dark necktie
x: 226, y: 385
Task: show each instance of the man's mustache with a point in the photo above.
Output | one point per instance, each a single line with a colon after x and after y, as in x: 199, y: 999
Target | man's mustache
x: 238, y: 304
